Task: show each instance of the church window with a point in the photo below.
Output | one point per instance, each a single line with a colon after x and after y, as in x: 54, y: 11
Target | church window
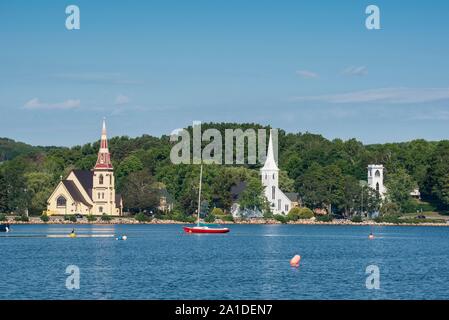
x: 273, y: 192
x: 286, y: 208
x: 377, y: 174
x: 61, y: 201
x: 98, y: 195
x: 102, y: 195
x: 110, y: 179
x: 100, y: 209
x: 100, y: 179
x: 266, y: 176
x: 279, y: 204
x: 273, y: 176
x: 377, y: 187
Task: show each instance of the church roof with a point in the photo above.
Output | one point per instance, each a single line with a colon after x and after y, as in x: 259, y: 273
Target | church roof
x: 74, y: 192
x: 86, y: 178
x: 270, y: 162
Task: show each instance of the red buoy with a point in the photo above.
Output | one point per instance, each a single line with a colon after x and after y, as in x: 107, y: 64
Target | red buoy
x: 294, y: 262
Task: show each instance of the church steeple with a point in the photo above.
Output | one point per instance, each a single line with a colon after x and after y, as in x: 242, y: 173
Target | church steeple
x: 104, y: 157
x: 270, y: 162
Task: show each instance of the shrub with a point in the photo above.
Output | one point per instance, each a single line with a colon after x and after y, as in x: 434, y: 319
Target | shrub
x: 72, y: 218
x: 357, y: 218
x: 141, y: 217
x: 394, y: 218
x: 210, y: 218
x: 3, y: 217
x: 217, y: 212
x: 22, y: 218
x: 179, y: 216
x: 268, y: 215
x: 281, y: 218
x: 293, y: 214
x: 105, y: 217
x: 91, y: 218
x: 305, y: 213
x: 325, y: 218
x: 44, y: 218
x: 227, y: 217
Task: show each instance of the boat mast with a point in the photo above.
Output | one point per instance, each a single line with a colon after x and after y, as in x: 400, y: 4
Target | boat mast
x: 199, y: 195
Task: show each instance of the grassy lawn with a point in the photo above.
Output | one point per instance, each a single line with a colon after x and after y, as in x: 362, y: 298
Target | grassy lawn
x: 428, y: 214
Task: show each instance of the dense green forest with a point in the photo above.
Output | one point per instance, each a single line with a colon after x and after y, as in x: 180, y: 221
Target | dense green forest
x: 325, y: 173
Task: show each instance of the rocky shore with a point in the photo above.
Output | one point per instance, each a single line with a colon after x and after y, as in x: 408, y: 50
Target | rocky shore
x: 126, y: 220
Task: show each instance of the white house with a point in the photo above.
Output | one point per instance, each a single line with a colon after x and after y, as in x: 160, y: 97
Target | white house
x: 279, y: 202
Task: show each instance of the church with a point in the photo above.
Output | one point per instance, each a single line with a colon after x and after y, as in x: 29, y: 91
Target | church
x: 280, y: 203
x: 88, y: 192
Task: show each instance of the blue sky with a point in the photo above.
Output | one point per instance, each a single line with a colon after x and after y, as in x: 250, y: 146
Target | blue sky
x: 154, y: 66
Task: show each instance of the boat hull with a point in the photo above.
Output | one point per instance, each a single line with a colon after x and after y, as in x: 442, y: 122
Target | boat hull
x: 205, y: 230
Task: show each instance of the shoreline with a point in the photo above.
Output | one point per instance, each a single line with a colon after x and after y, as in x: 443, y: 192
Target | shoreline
x: 131, y: 221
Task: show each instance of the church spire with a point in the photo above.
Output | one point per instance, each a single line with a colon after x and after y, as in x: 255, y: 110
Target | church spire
x: 104, y: 157
x: 270, y: 162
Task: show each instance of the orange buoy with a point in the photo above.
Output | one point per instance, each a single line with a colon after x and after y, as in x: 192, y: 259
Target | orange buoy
x: 294, y: 262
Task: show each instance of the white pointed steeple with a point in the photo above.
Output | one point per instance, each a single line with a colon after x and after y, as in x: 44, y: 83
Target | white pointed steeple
x: 270, y: 162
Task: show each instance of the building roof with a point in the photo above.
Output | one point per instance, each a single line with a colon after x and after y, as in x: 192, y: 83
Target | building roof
x: 270, y: 162
x: 74, y: 192
x: 86, y: 178
x: 164, y: 193
x: 292, y: 196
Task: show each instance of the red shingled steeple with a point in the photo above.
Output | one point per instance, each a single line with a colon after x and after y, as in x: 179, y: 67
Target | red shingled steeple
x: 104, y: 157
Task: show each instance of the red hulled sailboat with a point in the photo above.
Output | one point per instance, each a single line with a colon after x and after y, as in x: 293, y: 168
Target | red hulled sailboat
x: 202, y: 227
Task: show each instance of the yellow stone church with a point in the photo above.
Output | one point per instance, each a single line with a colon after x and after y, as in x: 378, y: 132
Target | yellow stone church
x: 88, y: 191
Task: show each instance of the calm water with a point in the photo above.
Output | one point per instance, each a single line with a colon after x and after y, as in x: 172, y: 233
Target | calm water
x: 251, y: 262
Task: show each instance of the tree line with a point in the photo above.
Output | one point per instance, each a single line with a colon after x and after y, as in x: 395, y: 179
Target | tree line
x: 326, y: 174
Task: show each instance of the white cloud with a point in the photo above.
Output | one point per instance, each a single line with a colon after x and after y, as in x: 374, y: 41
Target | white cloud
x: 35, y: 104
x: 307, y: 74
x: 384, y: 95
x: 121, y: 100
x: 355, y: 71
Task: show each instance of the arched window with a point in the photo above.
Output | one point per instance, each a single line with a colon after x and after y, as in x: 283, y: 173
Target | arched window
x: 377, y: 174
x: 266, y: 176
x: 273, y: 176
x: 100, y: 209
x: 273, y: 192
x: 61, y: 201
x: 377, y: 187
x: 110, y: 179
x: 279, y: 204
x: 100, y: 179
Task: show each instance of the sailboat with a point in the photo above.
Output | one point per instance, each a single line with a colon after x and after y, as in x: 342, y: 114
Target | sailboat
x: 202, y: 227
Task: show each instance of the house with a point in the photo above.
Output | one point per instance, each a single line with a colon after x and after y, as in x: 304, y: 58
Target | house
x: 236, y: 210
